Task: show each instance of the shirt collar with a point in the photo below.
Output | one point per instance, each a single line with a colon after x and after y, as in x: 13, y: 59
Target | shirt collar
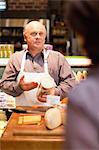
x: 28, y: 55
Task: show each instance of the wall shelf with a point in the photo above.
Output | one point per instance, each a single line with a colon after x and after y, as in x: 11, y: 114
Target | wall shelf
x: 72, y: 60
x: 78, y: 61
x: 12, y: 35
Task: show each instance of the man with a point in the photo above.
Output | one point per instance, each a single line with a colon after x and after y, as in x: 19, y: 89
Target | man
x: 34, y: 63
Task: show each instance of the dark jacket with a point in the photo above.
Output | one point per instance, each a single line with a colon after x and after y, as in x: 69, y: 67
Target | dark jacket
x: 82, y: 130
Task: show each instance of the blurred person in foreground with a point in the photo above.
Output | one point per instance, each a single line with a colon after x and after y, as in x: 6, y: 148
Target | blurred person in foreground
x: 35, y: 63
x: 82, y: 128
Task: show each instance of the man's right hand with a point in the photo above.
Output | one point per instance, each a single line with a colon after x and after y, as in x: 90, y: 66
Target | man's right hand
x: 27, y: 86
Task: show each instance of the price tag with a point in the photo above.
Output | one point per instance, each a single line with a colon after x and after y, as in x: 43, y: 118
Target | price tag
x: 6, y: 101
x: 53, y: 100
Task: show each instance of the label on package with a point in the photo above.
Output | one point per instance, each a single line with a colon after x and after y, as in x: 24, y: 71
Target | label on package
x: 53, y: 100
x: 6, y: 101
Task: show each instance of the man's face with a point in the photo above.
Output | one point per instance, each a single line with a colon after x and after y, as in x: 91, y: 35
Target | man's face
x: 35, y: 36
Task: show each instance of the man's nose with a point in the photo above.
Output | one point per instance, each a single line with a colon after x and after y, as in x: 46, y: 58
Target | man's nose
x: 38, y: 35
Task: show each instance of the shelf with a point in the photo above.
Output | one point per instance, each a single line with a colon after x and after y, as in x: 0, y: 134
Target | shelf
x: 72, y: 60
x: 59, y: 43
x: 4, y: 61
x: 78, y: 61
x: 11, y: 34
x: 59, y: 35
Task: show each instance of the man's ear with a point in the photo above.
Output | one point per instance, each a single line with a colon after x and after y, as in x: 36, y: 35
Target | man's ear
x: 24, y: 37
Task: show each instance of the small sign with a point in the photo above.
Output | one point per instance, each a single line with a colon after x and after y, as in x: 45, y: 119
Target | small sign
x: 53, y: 100
x: 6, y: 101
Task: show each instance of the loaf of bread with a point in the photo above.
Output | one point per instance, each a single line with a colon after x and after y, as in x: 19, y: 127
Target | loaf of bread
x: 53, y: 118
x: 63, y: 111
x: 85, y: 74
x: 79, y: 75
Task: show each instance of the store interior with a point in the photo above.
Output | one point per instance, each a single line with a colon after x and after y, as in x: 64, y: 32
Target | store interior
x: 51, y: 13
x: 13, y: 16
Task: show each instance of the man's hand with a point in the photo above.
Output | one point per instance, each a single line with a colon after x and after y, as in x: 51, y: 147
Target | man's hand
x: 43, y: 97
x: 27, y: 86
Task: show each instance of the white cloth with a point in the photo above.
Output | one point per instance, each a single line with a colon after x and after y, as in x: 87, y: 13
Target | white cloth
x: 28, y: 98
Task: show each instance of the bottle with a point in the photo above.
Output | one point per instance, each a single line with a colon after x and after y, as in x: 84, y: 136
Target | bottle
x: 1, y: 51
x: 45, y: 86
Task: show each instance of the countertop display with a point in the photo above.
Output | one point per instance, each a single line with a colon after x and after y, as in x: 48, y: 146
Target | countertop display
x: 3, y: 122
x: 3, y: 61
x: 20, y: 136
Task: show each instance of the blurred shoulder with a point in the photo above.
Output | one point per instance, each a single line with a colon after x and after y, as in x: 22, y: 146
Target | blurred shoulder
x: 86, y: 92
x: 81, y: 91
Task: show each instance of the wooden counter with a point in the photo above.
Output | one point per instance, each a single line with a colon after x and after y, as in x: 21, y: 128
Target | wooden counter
x: 31, y: 137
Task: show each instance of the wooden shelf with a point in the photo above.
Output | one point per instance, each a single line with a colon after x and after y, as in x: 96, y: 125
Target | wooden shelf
x: 11, y: 35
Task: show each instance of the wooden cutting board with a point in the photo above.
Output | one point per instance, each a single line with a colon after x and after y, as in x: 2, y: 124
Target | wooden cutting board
x: 35, y: 130
x: 32, y: 132
x: 38, y: 129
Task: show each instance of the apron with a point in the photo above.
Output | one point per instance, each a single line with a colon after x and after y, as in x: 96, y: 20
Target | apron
x: 29, y: 98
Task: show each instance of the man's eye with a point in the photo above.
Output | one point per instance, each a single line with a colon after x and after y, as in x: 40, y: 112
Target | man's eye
x: 34, y: 34
x: 37, y: 33
x: 41, y: 33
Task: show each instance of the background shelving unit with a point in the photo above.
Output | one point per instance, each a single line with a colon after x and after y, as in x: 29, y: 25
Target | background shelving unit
x: 76, y: 62
x: 12, y: 35
x: 59, y: 36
